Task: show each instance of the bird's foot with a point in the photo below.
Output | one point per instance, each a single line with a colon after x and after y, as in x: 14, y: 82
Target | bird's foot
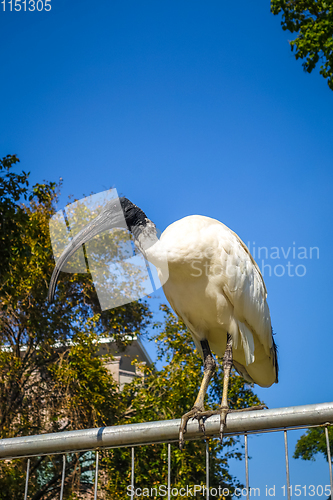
x: 196, y: 413
x: 201, y: 415
x: 223, y: 412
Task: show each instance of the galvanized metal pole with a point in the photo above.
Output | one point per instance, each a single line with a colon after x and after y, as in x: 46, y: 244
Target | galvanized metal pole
x: 329, y: 458
x: 287, y: 463
x: 27, y: 480
x: 164, y: 431
x: 96, y: 475
x: 169, y: 470
x: 63, y: 476
x: 132, y: 472
x: 207, y: 469
x: 247, y: 468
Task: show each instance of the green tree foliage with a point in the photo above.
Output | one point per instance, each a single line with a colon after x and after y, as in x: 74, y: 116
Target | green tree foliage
x: 312, y: 21
x: 314, y: 442
x: 50, y: 376
x: 13, y: 216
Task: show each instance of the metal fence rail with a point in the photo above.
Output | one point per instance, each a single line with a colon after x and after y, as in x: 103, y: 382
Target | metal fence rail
x: 165, y: 431
x: 244, y: 422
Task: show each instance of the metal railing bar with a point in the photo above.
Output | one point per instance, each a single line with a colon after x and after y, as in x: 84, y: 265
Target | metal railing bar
x: 27, y: 480
x: 96, y: 475
x: 329, y: 458
x: 132, y: 472
x: 287, y: 463
x: 202, y: 437
x: 289, y: 428
x: 164, y: 431
x: 169, y: 470
x: 207, y: 469
x: 246, y: 467
x: 63, y: 476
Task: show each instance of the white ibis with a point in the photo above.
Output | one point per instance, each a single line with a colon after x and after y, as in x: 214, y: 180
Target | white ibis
x: 214, y: 286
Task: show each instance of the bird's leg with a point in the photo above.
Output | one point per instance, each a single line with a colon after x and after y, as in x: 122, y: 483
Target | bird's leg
x: 227, y: 364
x: 224, y: 408
x: 198, y: 407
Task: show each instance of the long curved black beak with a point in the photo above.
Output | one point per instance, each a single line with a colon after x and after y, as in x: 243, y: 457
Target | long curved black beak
x: 111, y: 217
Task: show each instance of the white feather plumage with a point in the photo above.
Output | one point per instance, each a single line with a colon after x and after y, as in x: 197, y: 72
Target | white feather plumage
x: 216, y: 287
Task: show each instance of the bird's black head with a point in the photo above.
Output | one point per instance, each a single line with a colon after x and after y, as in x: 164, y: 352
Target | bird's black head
x: 134, y: 216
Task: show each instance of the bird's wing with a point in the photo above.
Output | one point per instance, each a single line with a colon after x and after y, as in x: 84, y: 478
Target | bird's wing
x: 243, y: 285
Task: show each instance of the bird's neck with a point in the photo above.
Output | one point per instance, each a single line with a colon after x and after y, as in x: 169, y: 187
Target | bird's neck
x: 142, y: 228
x: 153, y: 249
x: 146, y: 240
x: 145, y: 236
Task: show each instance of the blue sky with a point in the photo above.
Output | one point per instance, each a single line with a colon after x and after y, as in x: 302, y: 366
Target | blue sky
x: 190, y: 108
